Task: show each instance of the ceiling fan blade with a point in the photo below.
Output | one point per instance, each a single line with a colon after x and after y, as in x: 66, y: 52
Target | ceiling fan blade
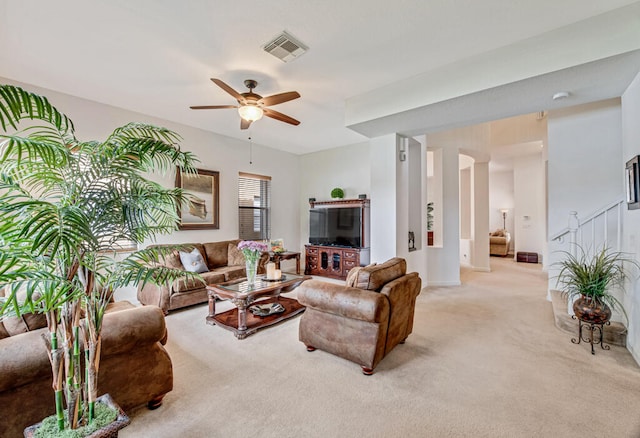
x: 279, y: 98
x: 213, y: 106
x: 244, y: 124
x: 279, y: 116
x: 229, y: 90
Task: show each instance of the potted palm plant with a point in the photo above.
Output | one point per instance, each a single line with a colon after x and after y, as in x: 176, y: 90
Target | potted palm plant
x: 67, y: 206
x: 590, y: 279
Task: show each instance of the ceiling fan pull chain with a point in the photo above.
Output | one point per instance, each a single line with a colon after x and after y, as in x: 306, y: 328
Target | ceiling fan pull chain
x: 250, y: 151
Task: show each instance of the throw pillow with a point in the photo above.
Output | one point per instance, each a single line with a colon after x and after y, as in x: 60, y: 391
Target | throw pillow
x: 193, y: 261
x: 376, y: 276
x: 352, y: 276
x: 172, y: 260
x: 14, y: 325
x: 234, y: 255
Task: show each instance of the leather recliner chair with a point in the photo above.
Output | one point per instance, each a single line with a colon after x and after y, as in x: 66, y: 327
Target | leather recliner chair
x: 363, y: 320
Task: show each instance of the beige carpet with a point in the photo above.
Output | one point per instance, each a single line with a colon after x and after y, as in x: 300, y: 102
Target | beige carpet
x: 484, y: 360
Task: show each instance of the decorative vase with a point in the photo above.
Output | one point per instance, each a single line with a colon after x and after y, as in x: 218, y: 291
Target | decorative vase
x: 251, y: 266
x: 591, y: 311
x: 108, y: 431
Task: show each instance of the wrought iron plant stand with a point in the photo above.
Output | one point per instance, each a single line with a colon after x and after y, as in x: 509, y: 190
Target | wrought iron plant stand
x: 591, y: 327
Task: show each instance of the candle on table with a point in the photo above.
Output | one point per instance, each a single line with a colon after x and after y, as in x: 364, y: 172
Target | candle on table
x: 277, y: 274
x: 271, y: 271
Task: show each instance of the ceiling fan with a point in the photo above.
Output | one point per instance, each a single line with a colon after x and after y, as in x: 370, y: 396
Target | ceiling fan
x: 252, y: 106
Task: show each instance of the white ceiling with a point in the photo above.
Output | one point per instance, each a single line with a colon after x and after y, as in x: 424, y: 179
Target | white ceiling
x: 156, y: 56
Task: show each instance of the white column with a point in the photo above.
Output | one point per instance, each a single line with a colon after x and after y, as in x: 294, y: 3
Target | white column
x: 384, y: 197
x: 444, y: 262
x: 480, y: 216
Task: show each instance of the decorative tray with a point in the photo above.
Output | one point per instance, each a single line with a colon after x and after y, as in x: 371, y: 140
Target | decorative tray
x: 282, y: 278
x: 266, y: 309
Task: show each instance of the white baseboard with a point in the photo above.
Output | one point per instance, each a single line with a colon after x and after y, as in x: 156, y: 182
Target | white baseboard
x: 634, y: 353
x: 443, y: 283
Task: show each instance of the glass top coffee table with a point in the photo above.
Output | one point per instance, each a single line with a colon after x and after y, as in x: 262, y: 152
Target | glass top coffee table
x: 263, y: 293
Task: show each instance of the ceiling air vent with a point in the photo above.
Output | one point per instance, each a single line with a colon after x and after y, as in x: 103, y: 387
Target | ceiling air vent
x: 285, y: 47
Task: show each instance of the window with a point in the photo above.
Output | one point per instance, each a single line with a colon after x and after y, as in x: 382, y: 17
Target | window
x: 254, y: 206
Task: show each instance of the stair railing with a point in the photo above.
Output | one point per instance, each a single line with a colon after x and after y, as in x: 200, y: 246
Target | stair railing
x: 602, y: 228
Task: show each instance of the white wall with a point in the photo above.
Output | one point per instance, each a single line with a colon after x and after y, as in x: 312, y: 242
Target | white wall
x: 347, y: 167
x: 584, y: 166
x: 631, y: 229
x: 465, y: 252
x: 584, y: 160
x: 529, y: 211
x: 95, y: 121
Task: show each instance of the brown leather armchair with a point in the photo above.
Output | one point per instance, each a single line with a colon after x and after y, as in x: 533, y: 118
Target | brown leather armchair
x: 134, y: 367
x: 363, y: 320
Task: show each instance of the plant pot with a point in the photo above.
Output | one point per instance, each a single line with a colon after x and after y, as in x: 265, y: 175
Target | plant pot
x: 108, y: 431
x: 591, y: 311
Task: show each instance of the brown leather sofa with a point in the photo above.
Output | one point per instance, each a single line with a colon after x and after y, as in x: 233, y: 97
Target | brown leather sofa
x: 224, y: 262
x: 499, y: 242
x: 134, y: 368
x: 363, y: 320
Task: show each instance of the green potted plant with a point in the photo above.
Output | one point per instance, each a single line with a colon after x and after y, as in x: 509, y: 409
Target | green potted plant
x: 590, y: 278
x: 337, y: 193
x: 66, y: 208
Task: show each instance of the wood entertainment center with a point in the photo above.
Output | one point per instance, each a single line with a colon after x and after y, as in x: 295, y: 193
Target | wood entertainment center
x: 335, y: 261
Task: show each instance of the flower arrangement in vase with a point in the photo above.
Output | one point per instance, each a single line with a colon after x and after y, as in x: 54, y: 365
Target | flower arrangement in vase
x: 252, y: 250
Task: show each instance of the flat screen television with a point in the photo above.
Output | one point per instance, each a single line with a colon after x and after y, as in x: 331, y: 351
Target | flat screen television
x: 336, y: 226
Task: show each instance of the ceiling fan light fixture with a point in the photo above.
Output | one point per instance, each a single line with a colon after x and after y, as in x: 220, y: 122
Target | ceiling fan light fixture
x: 251, y: 106
x: 250, y: 113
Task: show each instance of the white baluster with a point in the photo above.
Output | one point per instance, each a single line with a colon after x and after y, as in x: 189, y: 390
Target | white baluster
x: 619, y: 227
x: 574, y: 224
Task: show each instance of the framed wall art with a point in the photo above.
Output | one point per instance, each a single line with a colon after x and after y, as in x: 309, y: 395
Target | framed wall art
x: 632, y: 177
x: 204, y: 210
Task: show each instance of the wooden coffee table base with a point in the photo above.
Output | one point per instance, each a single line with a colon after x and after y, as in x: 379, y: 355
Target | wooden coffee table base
x: 229, y: 319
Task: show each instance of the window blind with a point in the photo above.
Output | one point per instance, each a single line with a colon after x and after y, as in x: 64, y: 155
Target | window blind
x: 254, y: 206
